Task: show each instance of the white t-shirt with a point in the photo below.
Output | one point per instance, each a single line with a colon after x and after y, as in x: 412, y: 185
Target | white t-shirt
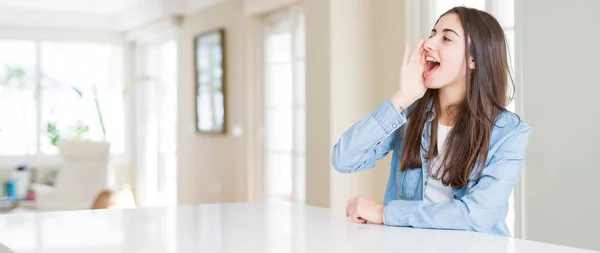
x: 435, y: 191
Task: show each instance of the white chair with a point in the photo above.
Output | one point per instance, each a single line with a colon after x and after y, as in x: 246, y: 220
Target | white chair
x: 82, y: 176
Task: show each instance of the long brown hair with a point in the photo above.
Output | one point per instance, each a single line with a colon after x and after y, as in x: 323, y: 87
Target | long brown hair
x: 486, y: 97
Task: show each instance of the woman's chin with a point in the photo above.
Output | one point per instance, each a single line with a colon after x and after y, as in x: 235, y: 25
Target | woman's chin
x: 431, y: 84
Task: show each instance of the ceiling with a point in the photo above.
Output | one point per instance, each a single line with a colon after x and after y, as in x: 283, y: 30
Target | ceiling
x: 105, y: 15
x: 85, y: 6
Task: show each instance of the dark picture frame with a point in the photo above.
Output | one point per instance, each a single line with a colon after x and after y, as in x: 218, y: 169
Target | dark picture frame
x: 210, y: 82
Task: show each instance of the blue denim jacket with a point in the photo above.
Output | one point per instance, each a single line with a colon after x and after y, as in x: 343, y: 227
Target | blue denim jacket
x: 481, y: 205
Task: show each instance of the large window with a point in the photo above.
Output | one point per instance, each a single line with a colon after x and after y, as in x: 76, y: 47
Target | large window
x: 18, y: 107
x: 62, y: 84
x: 503, y: 10
x: 155, y: 110
x: 284, y: 105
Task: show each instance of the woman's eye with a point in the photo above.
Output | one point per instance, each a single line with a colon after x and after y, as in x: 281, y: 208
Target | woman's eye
x: 447, y: 39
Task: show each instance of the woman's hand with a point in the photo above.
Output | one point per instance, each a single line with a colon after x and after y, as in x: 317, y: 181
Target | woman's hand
x: 412, y: 85
x: 362, y: 210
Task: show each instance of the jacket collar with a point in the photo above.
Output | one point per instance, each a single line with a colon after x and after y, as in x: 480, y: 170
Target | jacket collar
x: 430, y: 113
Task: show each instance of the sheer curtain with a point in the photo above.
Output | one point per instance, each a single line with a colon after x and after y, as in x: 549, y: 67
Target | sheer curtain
x: 155, y: 93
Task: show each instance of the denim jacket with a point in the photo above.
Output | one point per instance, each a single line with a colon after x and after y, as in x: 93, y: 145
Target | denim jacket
x: 481, y: 205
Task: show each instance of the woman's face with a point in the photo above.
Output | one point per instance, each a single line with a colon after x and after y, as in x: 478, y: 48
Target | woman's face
x: 445, y: 54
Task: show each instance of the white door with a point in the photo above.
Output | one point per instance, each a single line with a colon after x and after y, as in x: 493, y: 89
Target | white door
x: 284, y: 108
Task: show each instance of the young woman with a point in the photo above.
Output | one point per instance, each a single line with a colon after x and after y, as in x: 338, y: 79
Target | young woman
x: 457, y: 152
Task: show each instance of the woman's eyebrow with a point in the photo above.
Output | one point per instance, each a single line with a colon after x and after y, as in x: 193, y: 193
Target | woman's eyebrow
x: 445, y: 30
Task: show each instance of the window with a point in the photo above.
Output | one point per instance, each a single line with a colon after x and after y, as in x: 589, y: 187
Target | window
x: 18, y: 124
x: 63, y: 70
x: 60, y: 83
x: 504, y: 11
x: 155, y: 99
x: 284, y: 105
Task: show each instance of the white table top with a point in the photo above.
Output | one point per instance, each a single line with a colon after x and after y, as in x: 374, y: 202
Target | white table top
x: 236, y: 228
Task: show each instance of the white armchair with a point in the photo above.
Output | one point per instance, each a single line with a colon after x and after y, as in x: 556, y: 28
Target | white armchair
x: 82, y: 176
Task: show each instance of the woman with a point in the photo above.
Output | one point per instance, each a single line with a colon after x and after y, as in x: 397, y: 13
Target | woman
x: 457, y: 151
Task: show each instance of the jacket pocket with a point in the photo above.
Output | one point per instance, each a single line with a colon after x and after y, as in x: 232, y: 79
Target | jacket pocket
x: 408, y: 181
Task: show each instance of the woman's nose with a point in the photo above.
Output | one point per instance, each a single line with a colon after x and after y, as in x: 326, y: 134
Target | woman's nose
x: 429, y: 44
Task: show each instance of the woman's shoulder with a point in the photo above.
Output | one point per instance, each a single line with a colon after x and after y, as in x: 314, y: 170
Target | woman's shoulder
x: 509, y: 123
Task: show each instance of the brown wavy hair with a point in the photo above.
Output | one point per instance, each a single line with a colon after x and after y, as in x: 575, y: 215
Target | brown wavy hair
x: 486, y: 97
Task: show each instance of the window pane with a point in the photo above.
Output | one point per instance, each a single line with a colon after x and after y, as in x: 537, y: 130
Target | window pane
x: 279, y: 129
x: 299, y: 37
x: 158, y: 116
x: 510, y: 38
x: 300, y: 130
x: 71, y: 84
x: 18, y: 125
x: 300, y: 84
x: 441, y: 6
x: 278, y: 85
x: 506, y: 12
x: 168, y: 77
x: 477, y: 4
x: 278, y: 48
x: 279, y: 174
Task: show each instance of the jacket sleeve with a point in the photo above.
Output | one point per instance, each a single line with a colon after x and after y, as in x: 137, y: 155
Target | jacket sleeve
x: 368, y: 140
x: 481, y: 207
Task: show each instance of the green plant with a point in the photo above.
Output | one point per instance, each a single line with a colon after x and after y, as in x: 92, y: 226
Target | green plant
x: 13, y: 74
x: 99, y: 112
x: 53, y: 133
x: 77, y: 132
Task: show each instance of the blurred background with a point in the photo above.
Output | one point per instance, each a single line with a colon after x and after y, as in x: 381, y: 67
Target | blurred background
x: 177, y: 102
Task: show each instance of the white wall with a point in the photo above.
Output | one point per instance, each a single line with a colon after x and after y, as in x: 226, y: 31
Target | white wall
x: 213, y: 168
x: 355, y: 89
x: 353, y: 58
x: 392, y: 35
x: 318, y: 136
x: 353, y: 55
x: 558, y: 68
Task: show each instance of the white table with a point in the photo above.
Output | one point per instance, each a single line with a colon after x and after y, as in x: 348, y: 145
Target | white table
x: 247, y: 228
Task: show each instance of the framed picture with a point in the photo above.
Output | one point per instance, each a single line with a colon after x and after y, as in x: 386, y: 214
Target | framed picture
x: 209, y: 49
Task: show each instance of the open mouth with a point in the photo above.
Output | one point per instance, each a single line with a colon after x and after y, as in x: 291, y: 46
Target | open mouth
x: 431, y: 66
